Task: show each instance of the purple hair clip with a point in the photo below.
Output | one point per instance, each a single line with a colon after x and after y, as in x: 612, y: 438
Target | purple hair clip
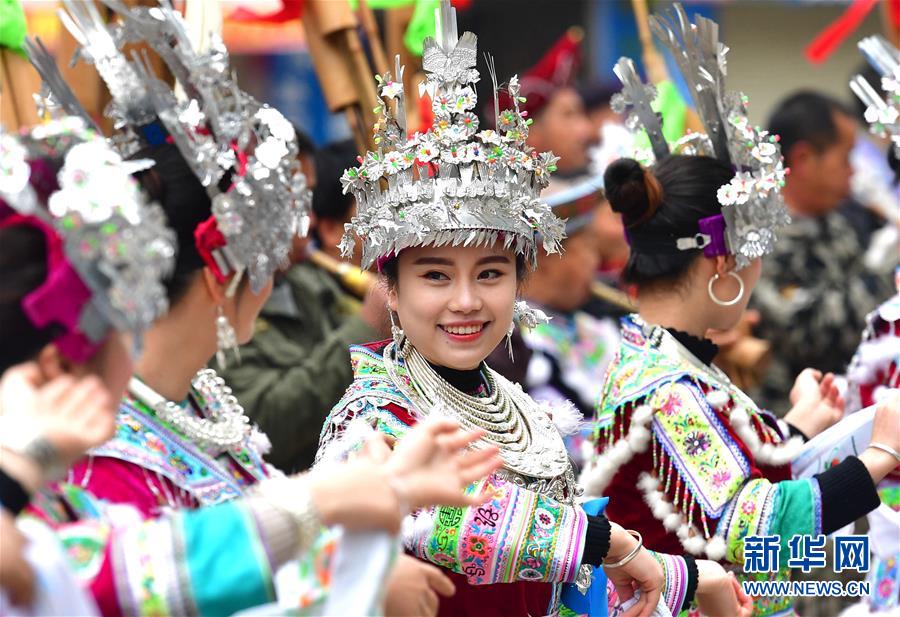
x: 711, y: 237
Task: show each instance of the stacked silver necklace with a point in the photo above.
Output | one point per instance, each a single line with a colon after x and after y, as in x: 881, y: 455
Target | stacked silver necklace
x: 529, y: 443
x: 226, y: 428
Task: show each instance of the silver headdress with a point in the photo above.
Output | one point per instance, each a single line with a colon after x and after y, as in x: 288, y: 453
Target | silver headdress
x: 224, y: 134
x: 883, y: 114
x: 752, y: 204
x: 452, y: 184
x: 116, y: 248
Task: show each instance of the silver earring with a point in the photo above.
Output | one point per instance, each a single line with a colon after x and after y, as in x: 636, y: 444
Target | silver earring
x: 398, y: 336
x: 509, y: 333
x: 226, y: 339
x: 712, y: 295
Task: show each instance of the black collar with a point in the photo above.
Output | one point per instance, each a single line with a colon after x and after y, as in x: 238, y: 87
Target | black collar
x: 465, y: 381
x: 704, y: 349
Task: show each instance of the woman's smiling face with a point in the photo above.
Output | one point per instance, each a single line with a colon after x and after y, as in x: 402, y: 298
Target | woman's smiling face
x: 455, y: 303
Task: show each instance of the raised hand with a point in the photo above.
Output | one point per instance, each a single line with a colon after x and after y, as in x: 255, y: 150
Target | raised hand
x: 431, y: 465
x: 817, y: 402
x: 377, y: 487
x: 74, y: 414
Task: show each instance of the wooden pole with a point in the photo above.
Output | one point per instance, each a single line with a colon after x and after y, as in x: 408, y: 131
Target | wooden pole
x: 18, y: 81
x: 344, y: 72
x: 654, y: 63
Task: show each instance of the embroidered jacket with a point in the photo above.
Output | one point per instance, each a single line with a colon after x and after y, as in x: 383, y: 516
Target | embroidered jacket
x: 710, y: 467
x: 521, y: 537
x: 131, y: 520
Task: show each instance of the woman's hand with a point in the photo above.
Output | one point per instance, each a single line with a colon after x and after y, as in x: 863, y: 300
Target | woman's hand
x: 377, y: 487
x: 719, y: 594
x: 430, y: 465
x: 413, y: 589
x: 16, y: 577
x: 643, y: 572
x: 72, y: 414
x: 885, y: 430
x: 817, y: 403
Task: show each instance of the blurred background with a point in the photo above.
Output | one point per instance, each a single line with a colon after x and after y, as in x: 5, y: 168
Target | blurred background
x: 770, y: 39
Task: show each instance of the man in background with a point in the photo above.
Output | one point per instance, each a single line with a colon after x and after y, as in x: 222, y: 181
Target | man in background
x: 816, y: 288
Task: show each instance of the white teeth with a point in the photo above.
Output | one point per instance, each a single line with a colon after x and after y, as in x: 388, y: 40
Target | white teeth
x: 459, y: 330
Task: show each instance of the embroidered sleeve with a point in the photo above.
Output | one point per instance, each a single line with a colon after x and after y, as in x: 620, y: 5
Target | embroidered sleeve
x: 761, y: 508
x: 518, y: 535
x: 175, y: 564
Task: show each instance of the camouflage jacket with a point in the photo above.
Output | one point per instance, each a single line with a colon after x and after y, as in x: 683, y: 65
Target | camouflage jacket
x: 298, y: 364
x: 813, y: 296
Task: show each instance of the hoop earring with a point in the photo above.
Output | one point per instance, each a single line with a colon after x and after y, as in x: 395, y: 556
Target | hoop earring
x: 712, y: 295
x: 226, y: 339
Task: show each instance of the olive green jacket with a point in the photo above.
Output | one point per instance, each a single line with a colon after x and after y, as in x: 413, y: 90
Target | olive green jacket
x: 298, y: 365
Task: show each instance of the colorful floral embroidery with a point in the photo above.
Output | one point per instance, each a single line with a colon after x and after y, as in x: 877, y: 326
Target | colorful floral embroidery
x: 700, y: 447
x: 516, y: 535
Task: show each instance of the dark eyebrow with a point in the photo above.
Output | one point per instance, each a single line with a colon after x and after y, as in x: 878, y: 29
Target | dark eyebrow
x: 442, y: 261
x: 432, y: 261
x: 493, y: 259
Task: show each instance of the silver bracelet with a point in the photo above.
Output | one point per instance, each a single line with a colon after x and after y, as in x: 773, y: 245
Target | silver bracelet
x: 634, y: 552
x: 886, y: 448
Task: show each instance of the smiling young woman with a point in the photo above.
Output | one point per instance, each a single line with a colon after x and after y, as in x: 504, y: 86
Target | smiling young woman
x: 453, y: 218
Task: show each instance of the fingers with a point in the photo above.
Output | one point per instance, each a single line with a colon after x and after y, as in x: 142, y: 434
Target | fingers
x: 430, y: 603
x: 376, y: 448
x: 57, y: 389
x: 481, y: 470
x: 438, y: 581
x: 21, y: 585
x: 458, y: 439
x: 651, y: 596
x: 437, y: 426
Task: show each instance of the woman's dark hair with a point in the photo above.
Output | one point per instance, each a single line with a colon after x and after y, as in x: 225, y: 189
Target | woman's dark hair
x: 172, y: 184
x: 23, y: 268
x: 389, y: 270
x: 660, y: 205
x: 329, y: 201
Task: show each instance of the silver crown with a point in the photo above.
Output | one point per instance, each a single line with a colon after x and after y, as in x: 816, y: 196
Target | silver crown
x: 752, y: 204
x: 453, y: 184
x: 221, y: 131
x: 882, y: 114
x: 119, y: 245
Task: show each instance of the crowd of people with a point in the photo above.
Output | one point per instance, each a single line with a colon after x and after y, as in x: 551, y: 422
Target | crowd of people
x: 511, y: 405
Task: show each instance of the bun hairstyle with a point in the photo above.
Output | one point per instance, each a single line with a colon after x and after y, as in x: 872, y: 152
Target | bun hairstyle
x: 661, y: 204
x: 632, y: 191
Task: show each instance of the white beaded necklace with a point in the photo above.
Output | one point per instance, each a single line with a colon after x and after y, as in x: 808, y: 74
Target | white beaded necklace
x: 227, y: 428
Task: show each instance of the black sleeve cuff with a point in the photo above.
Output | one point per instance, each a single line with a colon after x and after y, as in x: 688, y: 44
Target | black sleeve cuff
x: 596, y: 542
x: 12, y: 495
x: 847, y: 494
x: 793, y: 431
x: 692, y: 579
